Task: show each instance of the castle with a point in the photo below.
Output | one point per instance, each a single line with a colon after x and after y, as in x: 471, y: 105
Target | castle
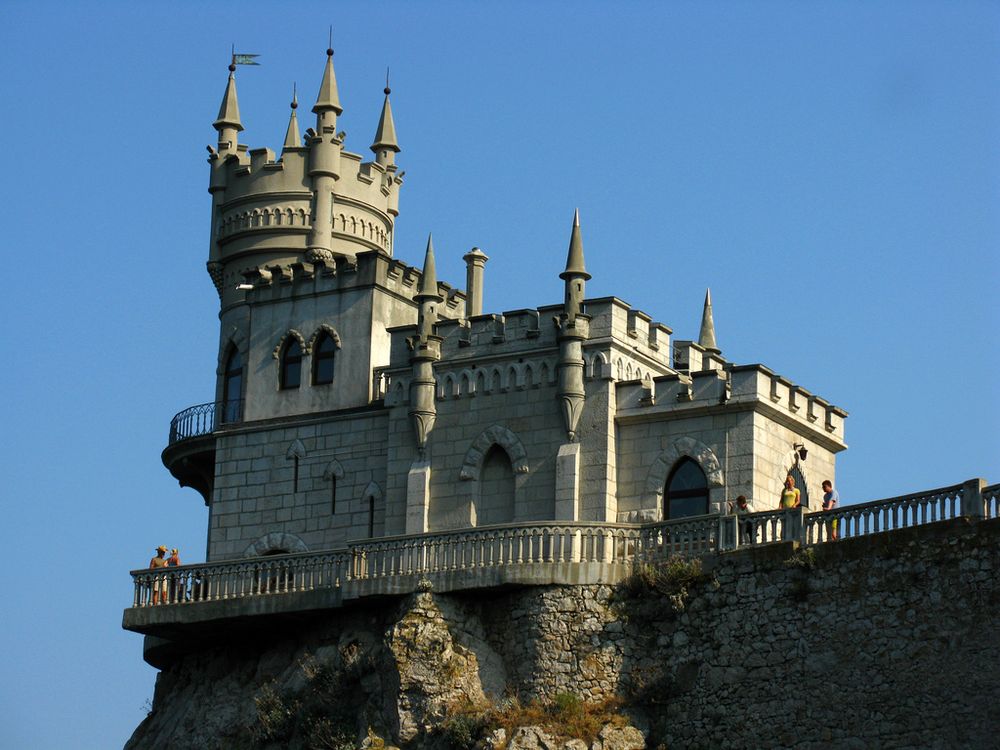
x: 360, y: 397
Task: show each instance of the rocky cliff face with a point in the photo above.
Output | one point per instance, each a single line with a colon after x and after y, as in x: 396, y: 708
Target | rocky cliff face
x: 879, y: 642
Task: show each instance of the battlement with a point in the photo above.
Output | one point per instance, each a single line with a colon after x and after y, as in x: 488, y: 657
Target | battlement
x: 752, y: 385
x: 614, y: 320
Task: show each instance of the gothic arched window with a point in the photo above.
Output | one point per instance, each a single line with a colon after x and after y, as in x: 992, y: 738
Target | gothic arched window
x: 686, y: 492
x: 232, y: 386
x: 291, y: 365
x: 323, y: 354
x: 800, y: 484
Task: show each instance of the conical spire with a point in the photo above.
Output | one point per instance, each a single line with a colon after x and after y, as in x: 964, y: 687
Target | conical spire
x: 574, y: 258
x: 706, y: 338
x: 428, y: 282
x: 385, y: 136
x: 292, y: 137
x: 229, y: 111
x: 328, y: 99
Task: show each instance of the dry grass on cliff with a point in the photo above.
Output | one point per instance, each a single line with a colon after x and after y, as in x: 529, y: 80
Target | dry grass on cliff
x: 566, y: 716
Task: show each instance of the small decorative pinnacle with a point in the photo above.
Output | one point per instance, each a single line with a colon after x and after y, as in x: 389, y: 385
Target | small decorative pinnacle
x: 295, y: 98
x: 387, y: 90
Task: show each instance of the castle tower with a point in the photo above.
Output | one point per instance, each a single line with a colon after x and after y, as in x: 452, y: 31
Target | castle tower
x: 324, y: 164
x: 385, y: 147
x: 426, y: 348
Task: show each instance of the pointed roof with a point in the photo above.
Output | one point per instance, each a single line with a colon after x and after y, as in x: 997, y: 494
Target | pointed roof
x: 328, y: 98
x: 574, y: 258
x: 428, y: 281
x: 706, y: 338
x: 385, y: 136
x: 229, y: 110
x: 292, y: 137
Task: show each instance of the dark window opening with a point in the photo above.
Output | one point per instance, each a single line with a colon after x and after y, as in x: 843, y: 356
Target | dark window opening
x: 322, y: 360
x: 295, y: 476
x: 291, y: 365
x: 371, y: 516
x: 686, y: 492
x: 333, y: 495
x: 800, y: 485
x: 232, y: 386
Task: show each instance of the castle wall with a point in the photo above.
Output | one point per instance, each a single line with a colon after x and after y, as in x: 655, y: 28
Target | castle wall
x: 255, y: 493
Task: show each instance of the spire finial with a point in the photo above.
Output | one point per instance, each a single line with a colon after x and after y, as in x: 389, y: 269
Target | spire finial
x: 387, y: 90
x: 574, y: 258
x: 292, y: 137
x: 229, y: 110
x: 706, y: 337
x: 385, y: 134
x: 328, y: 99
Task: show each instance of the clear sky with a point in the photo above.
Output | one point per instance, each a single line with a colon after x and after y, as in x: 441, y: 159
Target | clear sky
x: 830, y: 170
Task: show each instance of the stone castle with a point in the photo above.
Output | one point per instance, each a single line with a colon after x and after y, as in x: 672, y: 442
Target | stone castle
x: 360, y: 397
x: 421, y: 514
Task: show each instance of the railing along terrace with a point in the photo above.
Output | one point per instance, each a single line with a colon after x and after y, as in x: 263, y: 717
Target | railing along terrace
x: 203, y: 419
x: 884, y: 515
x: 553, y: 543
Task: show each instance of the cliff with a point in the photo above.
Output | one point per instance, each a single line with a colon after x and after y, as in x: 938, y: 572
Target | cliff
x: 880, y: 641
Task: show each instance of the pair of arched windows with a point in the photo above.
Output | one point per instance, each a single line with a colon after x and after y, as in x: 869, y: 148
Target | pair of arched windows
x: 323, y: 355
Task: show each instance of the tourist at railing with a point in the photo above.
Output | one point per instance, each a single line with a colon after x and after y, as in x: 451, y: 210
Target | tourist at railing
x: 159, y: 582
x: 831, y: 499
x: 790, y: 496
x: 745, y: 525
x: 176, y: 588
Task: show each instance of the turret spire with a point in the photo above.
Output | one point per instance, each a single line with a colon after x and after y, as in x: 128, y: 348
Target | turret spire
x: 428, y: 281
x: 328, y: 99
x: 292, y: 137
x: 385, y: 145
x: 706, y: 338
x: 574, y: 258
x: 228, y: 122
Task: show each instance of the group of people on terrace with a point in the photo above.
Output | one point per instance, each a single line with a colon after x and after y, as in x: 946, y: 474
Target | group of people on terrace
x: 790, y: 497
x: 165, y: 588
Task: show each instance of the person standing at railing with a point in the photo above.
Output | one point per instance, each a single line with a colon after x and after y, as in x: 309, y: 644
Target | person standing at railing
x: 745, y: 524
x: 831, y: 498
x: 159, y: 582
x: 790, y: 495
x: 176, y: 593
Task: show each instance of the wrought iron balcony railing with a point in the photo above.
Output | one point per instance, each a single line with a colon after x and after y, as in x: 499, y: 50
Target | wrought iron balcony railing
x: 204, y: 419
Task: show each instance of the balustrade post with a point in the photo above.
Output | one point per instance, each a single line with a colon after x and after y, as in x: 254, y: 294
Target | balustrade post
x: 972, y: 498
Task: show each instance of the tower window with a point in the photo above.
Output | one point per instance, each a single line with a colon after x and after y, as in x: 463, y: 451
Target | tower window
x: 324, y: 352
x: 686, y: 491
x: 232, y: 386
x: 291, y: 366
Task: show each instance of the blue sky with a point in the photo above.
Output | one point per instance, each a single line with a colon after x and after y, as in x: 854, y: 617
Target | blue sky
x: 830, y: 170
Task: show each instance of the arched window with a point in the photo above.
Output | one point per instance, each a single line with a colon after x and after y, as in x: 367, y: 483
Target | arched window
x: 686, y: 492
x: 232, y: 386
x: 322, y: 359
x: 496, y: 489
x: 291, y: 365
x: 800, y: 485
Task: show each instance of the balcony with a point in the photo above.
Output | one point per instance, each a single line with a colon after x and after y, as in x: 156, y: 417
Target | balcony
x: 190, y: 451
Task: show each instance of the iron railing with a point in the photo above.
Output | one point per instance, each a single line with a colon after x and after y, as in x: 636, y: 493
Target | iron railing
x: 204, y: 419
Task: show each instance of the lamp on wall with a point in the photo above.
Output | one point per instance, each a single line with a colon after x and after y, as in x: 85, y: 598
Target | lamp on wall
x: 801, y: 450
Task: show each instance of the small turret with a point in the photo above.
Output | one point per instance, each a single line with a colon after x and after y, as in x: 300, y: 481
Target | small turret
x: 228, y: 122
x: 324, y: 165
x: 292, y: 137
x: 706, y: 338
x: 574, y: 329
x: 426, y: 348
x: 575, y: 274
x: 385, y: 146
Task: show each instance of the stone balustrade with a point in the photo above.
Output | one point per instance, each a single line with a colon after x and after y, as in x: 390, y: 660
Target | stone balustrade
x: 464, y: 555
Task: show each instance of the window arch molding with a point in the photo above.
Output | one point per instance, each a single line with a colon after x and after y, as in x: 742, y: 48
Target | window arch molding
x: 276, y: 540
x: 495, y: 435
x: 289, y: 335
x: 326, y: 328
x: 659, y: 471
x: 237, y: 340
x: 322, y: 348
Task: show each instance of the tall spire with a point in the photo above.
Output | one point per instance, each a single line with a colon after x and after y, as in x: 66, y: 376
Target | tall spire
x: 706, y: 338
x: 385, y: 135
x: 328, y: 99
x: 292, y: 137
x: 574, y: 258
x: 229, y: 110
x: 428, y: 281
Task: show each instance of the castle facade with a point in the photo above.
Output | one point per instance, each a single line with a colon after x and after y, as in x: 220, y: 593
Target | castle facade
x: 358, y: 396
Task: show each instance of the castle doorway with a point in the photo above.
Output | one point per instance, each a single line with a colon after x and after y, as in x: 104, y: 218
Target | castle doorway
x: 496, y: 489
